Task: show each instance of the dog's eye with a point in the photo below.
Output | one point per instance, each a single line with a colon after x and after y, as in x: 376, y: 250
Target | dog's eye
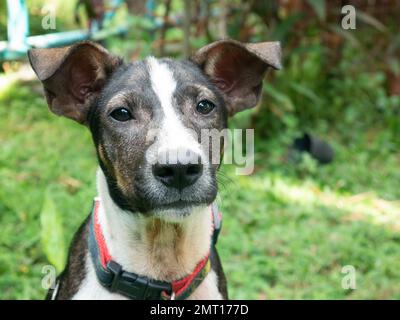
x: 205, y: 107
x: 121, y: 114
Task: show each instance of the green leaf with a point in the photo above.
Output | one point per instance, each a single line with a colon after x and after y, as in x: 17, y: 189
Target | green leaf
x: 319, y: 7
x: 306, y: 92
x: 282, y: 99
x: 52, y: 235
x: 368, y: 19
x: 283, y: 28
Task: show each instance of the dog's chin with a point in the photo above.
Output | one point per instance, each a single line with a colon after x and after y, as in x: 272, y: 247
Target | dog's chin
x: 177, y: 212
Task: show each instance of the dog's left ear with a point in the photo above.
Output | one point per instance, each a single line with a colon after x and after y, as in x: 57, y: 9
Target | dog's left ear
x: 238, y: 69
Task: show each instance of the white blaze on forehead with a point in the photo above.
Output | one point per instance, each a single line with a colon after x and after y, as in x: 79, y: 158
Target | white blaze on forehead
x: 163, y: 84
x: 173, y: 134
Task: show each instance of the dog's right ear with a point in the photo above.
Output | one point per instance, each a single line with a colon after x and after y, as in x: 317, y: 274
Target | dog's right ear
x: 73, y: 76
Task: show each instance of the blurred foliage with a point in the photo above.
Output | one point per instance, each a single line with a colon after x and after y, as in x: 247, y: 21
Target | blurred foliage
x: 52, y: 232
x: 298, y: 223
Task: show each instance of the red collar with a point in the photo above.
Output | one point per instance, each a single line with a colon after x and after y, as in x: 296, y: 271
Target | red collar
x: 181, y: 288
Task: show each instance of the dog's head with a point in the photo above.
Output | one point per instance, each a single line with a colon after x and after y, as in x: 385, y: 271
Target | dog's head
x: 147, y: 117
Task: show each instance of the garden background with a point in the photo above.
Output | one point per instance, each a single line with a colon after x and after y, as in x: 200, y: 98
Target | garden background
x: 291, y: 226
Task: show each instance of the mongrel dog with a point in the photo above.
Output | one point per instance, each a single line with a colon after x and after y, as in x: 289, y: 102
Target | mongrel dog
x: 150, y: 235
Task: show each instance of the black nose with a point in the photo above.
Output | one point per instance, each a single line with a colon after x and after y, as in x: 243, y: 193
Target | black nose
x: 178, y: 176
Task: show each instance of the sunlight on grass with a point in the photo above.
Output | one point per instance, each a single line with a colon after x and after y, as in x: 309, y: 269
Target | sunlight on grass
x: 6, y: 83
x: 364, y: 206
x: 12, y: 78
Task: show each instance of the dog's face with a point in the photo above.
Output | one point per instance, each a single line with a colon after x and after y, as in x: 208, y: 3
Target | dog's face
x: 146, y: 123
x: 148, y: 118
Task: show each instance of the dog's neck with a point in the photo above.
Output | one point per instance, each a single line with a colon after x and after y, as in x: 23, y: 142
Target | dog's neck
x: 150, y: 246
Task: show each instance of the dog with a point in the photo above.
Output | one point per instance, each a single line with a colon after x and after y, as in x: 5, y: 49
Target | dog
x: 153, y: 227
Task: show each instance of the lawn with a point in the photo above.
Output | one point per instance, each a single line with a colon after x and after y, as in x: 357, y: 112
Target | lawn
x: 288, y: 229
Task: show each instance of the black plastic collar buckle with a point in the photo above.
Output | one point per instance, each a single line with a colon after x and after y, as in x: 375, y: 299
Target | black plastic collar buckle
x: 116, y: 271
x: 134, y: 286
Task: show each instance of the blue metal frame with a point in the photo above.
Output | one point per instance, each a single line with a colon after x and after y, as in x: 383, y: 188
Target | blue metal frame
x: 19, y: 40
x: 17, y: 25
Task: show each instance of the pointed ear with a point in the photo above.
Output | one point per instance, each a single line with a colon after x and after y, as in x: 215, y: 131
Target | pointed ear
x: 238, y: 69
x: 73, y: 76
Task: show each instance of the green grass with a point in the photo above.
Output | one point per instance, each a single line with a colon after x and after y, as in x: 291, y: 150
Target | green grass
x: 287, y: 231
